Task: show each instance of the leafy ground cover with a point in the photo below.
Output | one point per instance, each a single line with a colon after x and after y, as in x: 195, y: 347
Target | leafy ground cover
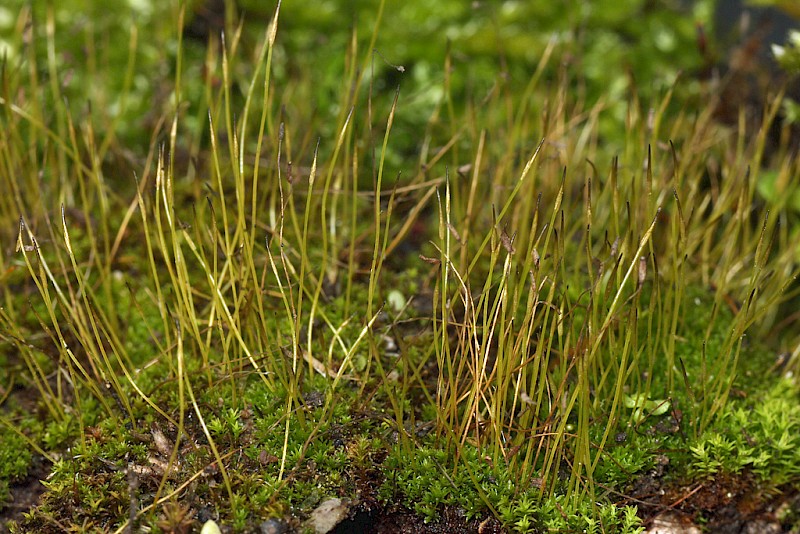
x: 257, y: 275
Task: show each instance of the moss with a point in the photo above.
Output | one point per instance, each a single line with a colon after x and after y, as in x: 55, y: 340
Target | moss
x: 15, y: 460
x: 543, y: 338
x: 757, y: 434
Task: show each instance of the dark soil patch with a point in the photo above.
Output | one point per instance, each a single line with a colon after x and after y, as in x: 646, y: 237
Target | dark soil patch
x: 404, y: 521
x: 725, y: 504
x: 24, y: 494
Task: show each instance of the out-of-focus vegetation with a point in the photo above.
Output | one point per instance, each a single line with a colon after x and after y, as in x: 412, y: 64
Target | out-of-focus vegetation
x: 503, y: 262
x: 122, y: 59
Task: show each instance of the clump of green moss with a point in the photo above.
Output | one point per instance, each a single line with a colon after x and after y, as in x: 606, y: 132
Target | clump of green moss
x: 758, y: 434
x: 497, y: 328
x: 15, y: 460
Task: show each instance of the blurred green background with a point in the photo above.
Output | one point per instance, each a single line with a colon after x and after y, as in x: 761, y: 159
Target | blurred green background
x: 604, y: 48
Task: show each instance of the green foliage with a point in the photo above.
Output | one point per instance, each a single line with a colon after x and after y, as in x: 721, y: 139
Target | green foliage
x: 15, y: 460
x: 229, y: 423
x: 290, y: 303
x: 643, y: 407
x: 418, y: 478
x: 427, y: 480
x: 789, y: 56
x: 623, y: 463
x: 59, y: 433
x: 760, y: 437
x: 125, y: 57
x: 585, y: 518
x: 92, y: 484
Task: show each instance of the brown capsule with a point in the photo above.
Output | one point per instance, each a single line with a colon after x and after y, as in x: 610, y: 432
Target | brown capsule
x: 508, y: 242
x: 432, y: 261
x: 162, y: 442
x: 642, y: 271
